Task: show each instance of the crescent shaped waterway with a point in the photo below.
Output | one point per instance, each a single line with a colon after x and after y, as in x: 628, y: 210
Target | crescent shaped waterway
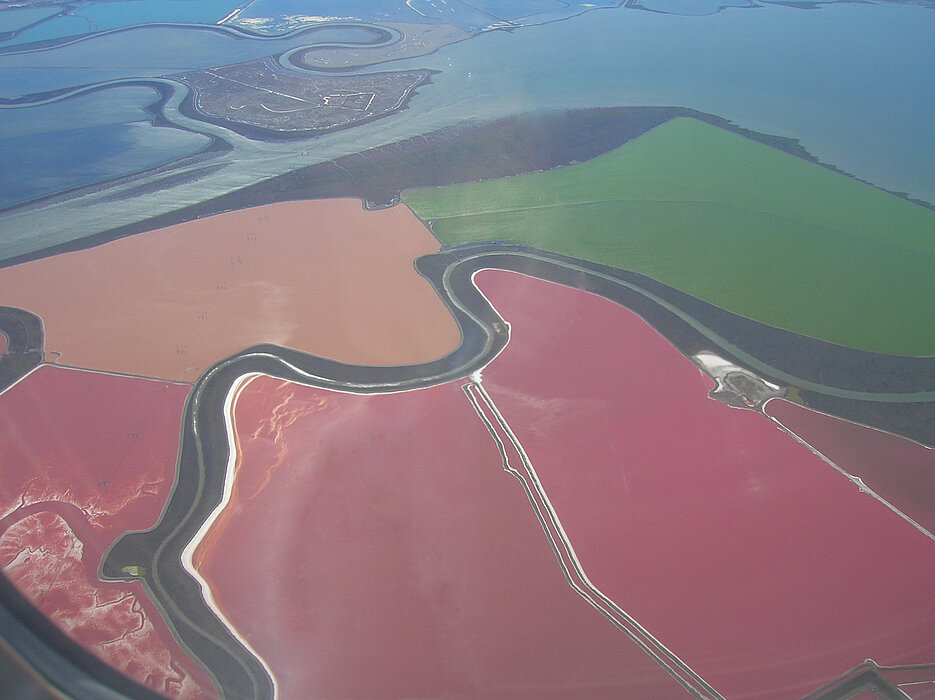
x: 157, y: 555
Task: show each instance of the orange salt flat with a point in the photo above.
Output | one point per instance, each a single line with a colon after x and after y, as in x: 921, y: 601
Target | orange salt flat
x: 324, y: 276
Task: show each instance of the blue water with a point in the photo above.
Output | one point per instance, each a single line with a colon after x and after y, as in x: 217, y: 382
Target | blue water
x: 561, y: 13
x: 690, y: 7
x: 113, y: 106
x: 708, y: 7
x: 128, y: 13
x: 55, y: 28
x: 147, y: 51
x: 853, y: 82
x: 462, y: 16
x: 271, y: 16
x: 116, y: 15
x: 56, y: 161
x: 484, y: 15
x: 13, y: 18
x: 514, y: 9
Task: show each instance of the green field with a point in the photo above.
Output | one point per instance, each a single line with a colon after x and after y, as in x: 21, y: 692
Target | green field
x: 731, y: 221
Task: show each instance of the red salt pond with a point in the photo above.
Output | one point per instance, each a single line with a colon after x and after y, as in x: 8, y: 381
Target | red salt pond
x: 85, y: 457
x: 899, y: 470
x: 374, y: 547
x: 760, y: 566
x: 3, y: 343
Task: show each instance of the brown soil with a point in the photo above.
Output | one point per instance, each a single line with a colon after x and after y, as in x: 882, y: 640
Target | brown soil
x: 325, y: 277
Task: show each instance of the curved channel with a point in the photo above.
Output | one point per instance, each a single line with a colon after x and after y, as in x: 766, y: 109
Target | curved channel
x: 205, y: 448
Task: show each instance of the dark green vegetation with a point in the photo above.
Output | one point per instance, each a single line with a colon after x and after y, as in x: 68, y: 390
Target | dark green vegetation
x: 466, y: 153
x: 744, y: 226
